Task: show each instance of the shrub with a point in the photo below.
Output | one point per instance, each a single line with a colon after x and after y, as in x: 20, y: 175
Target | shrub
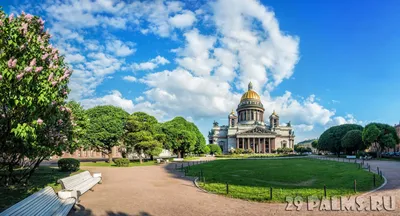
x: 122, y: 162
x: 239, y: 151
x: 248, y: 151
x: 68, y: 164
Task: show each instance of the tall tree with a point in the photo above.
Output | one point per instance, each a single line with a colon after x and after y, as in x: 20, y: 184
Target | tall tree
x: 382, y: 135
x: 331, y: 139
x: 215, y: 149
x: 80, y: 121
x: 142, y: 135
x: 181, y: 136
x: 34, y: 123
x: 106, y: 128
x: 352, y: 141
x: 314, y: 144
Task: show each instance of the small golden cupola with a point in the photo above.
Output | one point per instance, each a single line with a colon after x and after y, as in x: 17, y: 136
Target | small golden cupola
x: 250, y: 94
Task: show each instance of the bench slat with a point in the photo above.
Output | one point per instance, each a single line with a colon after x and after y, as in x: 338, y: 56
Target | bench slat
x: 44, y: 202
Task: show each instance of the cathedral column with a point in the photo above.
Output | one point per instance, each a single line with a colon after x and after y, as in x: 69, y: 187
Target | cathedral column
x: 243, y: 143
x: 248, y: 143
x: 237, y: 142
x: 259, y: 150
x: 264, y: 146
x: 269, y: 145
x: 254, y: 144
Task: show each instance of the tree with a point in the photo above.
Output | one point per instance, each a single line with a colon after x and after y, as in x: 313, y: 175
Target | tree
x: 80, y: 121
x: 215, y: 149
x: 383, y: 135
x: 106, y: 128
x: 352, y: 141
x: 314, y: 144
x: 34, y: 123
x: 142, y: 135
x: 182, y: 136
x: 331, y: 139
x: 206, y: 150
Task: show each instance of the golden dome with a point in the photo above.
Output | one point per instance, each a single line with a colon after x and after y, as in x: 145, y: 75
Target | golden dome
x: 250, y: 94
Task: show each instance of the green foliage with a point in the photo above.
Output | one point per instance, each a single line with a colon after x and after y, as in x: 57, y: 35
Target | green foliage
x: 215, y: 149
x: 68, y: 164
x: 206, y: 150
x: 300, y: 149
x: 248, y: 151
x: 182, y: 137
x: 142, y: 135
x: 122, y: 162
x: 34, y: 123
x: 331, y: 139
x: 106, y: 128
x: 383, y: 135
x: 285, y: 150
x: 315, y: 144
x: 80, y: 121
x: 352, y: 141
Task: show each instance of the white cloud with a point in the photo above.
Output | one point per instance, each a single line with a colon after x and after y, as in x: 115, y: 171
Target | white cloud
x: 196, y: 54
x: 183, y: 20
x: 303, y: 127
x: 129, y: 78
x: 266, y: 55
x: 115, y: 99
x: 150, y: 65
x: 74, y: 58
x: 140, y: 98
x: 120, y: 48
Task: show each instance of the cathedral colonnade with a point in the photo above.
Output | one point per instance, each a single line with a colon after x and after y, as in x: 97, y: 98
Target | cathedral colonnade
x: 257, y: 144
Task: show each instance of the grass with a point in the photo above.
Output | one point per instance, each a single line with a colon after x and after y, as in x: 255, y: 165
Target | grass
x: 191, y: 158
x: 44, y: 176
x: 252, y: 179
x: 272, y: 155
x: 106, y: 164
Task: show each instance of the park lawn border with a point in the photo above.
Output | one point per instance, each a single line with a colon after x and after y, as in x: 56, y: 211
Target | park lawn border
x: 209, y: 192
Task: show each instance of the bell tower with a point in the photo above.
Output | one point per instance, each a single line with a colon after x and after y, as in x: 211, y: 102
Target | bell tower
x: 274, y: 120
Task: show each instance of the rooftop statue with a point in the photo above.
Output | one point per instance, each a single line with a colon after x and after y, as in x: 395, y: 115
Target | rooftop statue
x: 215, y: 124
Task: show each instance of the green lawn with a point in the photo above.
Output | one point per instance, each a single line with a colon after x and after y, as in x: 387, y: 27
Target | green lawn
x: 44, y: 176
x: 106, y: 164
x: 191, y: 158
x: 252, y: 179
x: 267, y: 155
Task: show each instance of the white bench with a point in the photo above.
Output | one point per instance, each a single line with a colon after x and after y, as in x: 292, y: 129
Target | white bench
x: 43, y: 202
x: 81, y: 182
x: 178, y: 159
x: 351, y: 157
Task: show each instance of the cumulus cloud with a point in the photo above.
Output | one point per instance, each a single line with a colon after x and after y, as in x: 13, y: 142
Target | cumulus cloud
x: 115, y: 99
x: 120, y: 48
x: 151, y: 64
x: 129, y: 78
x: 183, y: 20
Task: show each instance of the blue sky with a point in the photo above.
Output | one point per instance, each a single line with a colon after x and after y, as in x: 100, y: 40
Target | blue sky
x: 317, y: 63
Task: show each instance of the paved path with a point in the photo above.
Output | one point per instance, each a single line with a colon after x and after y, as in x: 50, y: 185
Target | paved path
x: 158, y: 190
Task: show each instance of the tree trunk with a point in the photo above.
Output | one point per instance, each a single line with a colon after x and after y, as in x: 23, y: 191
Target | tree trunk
x: 110, y: 157
x: 179, y: 154
x: 140, y: 156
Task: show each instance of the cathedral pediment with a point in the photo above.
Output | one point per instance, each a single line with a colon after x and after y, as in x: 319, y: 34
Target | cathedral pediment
x: 258, y: 130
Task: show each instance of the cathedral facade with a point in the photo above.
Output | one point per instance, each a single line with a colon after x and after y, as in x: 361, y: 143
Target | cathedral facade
x: 246, y: 128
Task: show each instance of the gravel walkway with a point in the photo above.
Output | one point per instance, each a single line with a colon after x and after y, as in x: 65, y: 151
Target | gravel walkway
x: 159, y: 190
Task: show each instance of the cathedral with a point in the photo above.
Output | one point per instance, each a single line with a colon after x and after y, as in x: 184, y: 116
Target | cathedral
x: 247, y: 130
